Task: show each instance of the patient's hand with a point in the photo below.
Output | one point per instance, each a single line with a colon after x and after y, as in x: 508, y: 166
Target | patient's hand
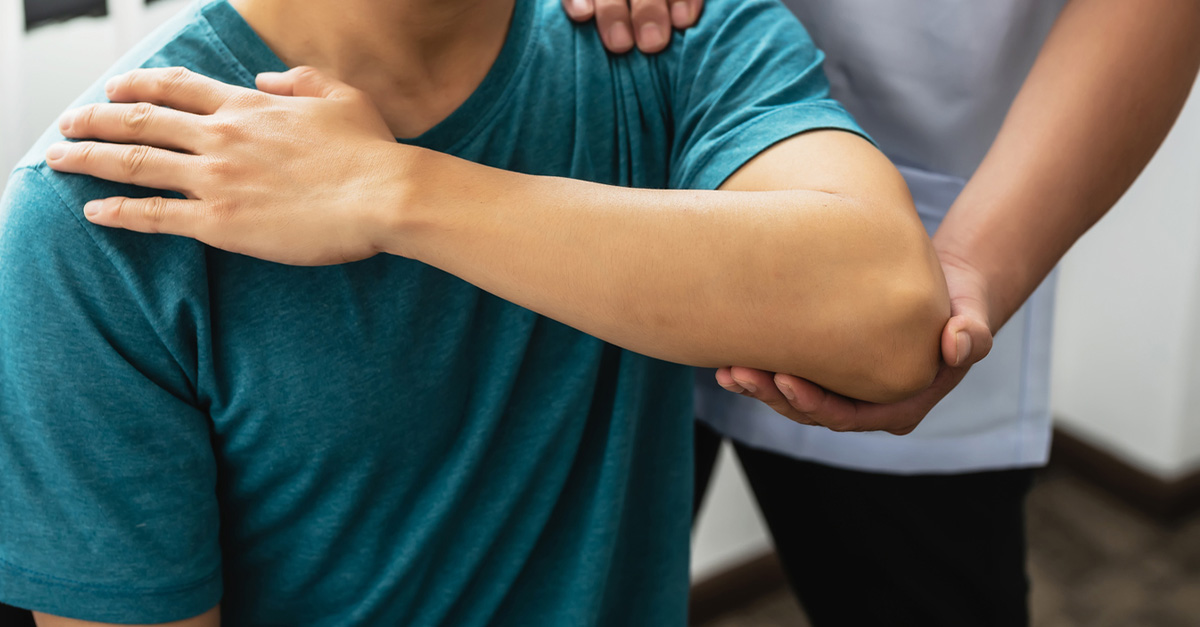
x: 649, y: 22
x: 966, y: 339
x: 282, y: 178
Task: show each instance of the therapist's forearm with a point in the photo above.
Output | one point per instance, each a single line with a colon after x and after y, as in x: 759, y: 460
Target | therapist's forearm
x: 211, y: 618
x: 820, y: 284
x: 1103, y: 93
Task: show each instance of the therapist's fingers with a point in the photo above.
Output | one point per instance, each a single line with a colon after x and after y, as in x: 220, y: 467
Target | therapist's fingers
x: 140, y: 123
x: 148, y: 215
x: 651, y: 24
x: 613, y: 23
x: 144, y: 166
x: 759, y: 385
x: 579, y: 10
x: 839, y: 413
x: 810, y: 402
x: 685, y: 12
x: 175, y: 87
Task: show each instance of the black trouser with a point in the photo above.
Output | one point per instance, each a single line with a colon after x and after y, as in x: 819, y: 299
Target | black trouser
x: 863, y: 548
x: 13, y: 617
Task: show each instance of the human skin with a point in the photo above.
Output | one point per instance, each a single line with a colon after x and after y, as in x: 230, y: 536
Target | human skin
x: 672, y: 274
x: 1087, y: 120
x: 211, y: 618
x: 666, y: 273
x: 644, y: 23
x: 1106, y: 87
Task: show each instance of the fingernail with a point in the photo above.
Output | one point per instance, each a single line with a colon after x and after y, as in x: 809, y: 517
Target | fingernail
x: 111, y: 85
x: 619, y: 36
x: 652, y: 36
x: 92, y: 208
x: 749, y: 387
x: 962, y: 342
x: 680, y: 14
x: 579, y: 7
x: 65, y: 122
x: 56, y: 152
x: 787, y: 390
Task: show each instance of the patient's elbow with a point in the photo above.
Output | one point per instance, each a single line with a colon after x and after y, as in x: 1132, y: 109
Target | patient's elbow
x: 907, y: 336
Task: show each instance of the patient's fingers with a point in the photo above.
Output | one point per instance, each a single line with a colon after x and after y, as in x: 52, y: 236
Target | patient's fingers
x: 307, y: 82
x: 175, y: 87
x: 579, y: 10
x: 612, y: 20
x: 140, y: 123
x: 144, y: 166
x: 651, y: 24
x: 148, y: 215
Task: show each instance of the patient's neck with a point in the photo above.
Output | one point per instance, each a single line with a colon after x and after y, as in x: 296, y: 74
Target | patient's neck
x: 418, y: 59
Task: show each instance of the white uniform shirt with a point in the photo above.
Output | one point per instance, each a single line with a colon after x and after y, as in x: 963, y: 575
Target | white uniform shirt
x: 931, y: 81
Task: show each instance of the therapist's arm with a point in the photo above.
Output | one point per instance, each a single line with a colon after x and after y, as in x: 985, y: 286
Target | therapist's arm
x: 1105, y: 89
x: 811, y: 260
x: 211, y: 618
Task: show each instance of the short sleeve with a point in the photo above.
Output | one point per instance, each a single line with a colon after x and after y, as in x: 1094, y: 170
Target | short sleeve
x: 746, y: 77
x: 108, y: 506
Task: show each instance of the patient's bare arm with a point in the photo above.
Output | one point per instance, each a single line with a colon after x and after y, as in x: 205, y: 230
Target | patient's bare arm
x: 823, y: 271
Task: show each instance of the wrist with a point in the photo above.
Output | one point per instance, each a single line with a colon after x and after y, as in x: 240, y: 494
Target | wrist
x: 391, y: 193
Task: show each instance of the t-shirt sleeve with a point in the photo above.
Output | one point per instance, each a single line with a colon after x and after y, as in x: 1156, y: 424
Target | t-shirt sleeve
x: 746, y: 77
x: 108, y: 505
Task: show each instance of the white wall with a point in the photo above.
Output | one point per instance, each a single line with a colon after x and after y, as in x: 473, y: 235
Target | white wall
x: 1127, y: 345
x: 43, y: 71
x: 730, y: 528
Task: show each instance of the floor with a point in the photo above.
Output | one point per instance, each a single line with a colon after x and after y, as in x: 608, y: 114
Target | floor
x: 1093, y: 562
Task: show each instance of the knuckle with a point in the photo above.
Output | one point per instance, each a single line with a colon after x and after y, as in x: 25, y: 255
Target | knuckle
x: 86, y: 116
x: 137, y: 117
x: 85, y: 152
x: 133, y: 160
x: 215, y: 169
x: 223, y: 128
x: 246, y: 98
x: 155, y: 212
x: 117, y: 208
x: 171, y: 80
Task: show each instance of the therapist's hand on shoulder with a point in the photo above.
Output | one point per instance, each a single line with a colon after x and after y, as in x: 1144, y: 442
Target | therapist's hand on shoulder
x: 239, y: 156
x: 622, y: 24
x: 966, y: 339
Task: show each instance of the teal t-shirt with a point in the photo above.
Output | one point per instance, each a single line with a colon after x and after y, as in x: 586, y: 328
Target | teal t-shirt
x: 377, y: 443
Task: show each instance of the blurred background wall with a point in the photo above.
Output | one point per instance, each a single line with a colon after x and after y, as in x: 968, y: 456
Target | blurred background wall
x: 1127, y: 340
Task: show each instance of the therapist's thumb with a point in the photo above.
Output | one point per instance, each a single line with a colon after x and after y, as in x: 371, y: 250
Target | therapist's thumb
x: 303, y: 81
x: 965, y: 340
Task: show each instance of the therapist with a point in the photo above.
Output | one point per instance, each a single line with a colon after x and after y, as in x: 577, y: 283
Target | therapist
x: 1017, y: 124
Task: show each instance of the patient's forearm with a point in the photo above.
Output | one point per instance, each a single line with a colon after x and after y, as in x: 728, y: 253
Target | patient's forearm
x: 827, y: 286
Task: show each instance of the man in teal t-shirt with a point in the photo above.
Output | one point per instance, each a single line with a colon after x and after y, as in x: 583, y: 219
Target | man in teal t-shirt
x: 379, y: 442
